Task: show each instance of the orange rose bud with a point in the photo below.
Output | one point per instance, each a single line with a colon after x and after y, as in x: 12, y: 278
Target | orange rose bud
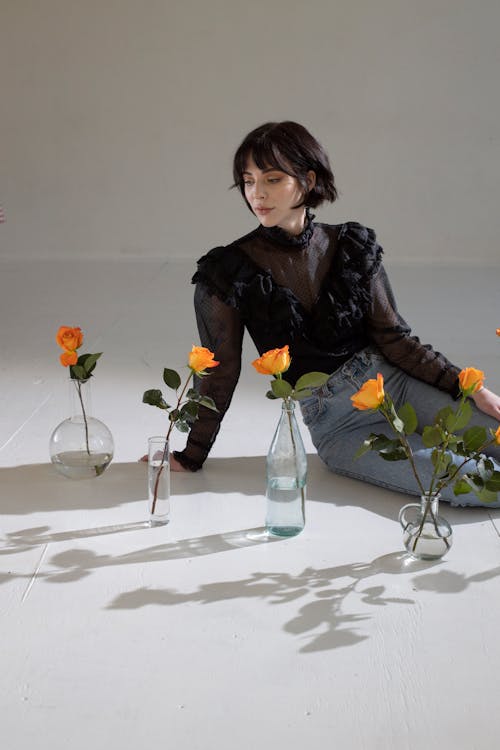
x: 498, y: 331
x: 69, y: 338
x: 68, y: 358
x: 371, y: 394
x: 471, y: 380
x: 200, y: 358
x: 273, y: 362
x: 497, y: 436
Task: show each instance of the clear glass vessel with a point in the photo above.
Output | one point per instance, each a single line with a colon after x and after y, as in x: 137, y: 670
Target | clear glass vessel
x: 286, y: 477
x: 426, y: 534
x: 158, y: 481
x: 81, y: 447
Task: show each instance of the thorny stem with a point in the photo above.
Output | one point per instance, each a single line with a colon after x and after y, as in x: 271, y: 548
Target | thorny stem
x: 78, y: 385
x: 404, y: 441
x: 165, y: 449
x: 79, y: 391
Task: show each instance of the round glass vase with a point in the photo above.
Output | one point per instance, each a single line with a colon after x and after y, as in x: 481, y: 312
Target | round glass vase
x: 286, y: 477
x: 426, y: 534
x: 81, y: 447
x: 158, y: 481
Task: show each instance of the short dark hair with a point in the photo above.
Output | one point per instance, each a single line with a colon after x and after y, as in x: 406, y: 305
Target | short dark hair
x: 292, y: 149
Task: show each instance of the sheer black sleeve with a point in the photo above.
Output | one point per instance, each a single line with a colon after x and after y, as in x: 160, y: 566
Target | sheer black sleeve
x: 392, y: 336
x: 221, y: 331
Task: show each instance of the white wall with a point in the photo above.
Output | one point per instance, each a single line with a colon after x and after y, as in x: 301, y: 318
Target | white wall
x: 120, y: 117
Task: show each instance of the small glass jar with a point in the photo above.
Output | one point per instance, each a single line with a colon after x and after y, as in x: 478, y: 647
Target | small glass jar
x: 426, y: 534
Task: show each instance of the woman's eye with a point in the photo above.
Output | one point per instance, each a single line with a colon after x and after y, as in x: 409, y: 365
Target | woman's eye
x: 247, y: 182
x: 274, y: 179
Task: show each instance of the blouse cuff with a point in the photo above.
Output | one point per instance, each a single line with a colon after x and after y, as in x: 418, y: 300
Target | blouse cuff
x: 185, y: 462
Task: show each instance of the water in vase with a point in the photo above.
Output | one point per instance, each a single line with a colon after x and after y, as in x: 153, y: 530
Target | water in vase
x: 80, y: 464
x: 285, y: 506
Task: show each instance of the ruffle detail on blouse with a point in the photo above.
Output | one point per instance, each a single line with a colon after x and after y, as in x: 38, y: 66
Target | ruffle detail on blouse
x: 229, y: 274
x: 357, y: 260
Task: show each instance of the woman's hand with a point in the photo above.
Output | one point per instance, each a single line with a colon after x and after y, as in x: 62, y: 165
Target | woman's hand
x: 488, y: 402
x: 174, y: 464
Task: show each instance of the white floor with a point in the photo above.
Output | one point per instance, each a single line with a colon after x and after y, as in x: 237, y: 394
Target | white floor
x: 203, y: 634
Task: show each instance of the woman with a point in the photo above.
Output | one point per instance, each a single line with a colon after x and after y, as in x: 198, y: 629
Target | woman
x: 323, y: 290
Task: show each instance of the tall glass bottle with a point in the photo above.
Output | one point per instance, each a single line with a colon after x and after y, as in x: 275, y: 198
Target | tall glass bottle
x: 286, y: 476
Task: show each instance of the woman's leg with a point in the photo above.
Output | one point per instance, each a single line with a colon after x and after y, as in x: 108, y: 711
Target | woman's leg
x: 338, y: 429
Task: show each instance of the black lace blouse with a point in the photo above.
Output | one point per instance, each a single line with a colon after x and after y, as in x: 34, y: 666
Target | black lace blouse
x: 325, y: 293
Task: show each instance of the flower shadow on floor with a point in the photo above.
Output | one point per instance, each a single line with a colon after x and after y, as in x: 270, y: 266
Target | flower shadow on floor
x: 323, y: 622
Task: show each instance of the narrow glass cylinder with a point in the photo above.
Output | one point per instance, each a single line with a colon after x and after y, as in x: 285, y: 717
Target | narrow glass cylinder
x: 158, y: 481
x: 286, y: 477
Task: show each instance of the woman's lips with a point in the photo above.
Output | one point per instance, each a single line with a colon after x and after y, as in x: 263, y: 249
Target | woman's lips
x: 263, y: 211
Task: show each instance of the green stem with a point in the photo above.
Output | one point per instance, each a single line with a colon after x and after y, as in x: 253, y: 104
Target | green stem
x: 406, y: 445
x: 79, y: 391
x: 162, y: 466
x: 428, y: 507
x: 78, y: 385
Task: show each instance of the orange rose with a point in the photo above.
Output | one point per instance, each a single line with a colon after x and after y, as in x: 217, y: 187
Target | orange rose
x: 497, y: 436
x: 69, y: 338
x: 498, y: 331
x: 471, y: 380
x: 371, y: 394
x: 68, y: 358
x: 273, y: 362
x: 200, y: 358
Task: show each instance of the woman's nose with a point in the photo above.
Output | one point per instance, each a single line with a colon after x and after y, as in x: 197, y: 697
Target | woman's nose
x: 260, y: 189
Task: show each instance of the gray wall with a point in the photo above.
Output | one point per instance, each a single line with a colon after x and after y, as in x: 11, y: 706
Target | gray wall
x: 120, y: 117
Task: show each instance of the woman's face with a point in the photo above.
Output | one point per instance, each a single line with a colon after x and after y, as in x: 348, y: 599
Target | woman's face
x: 272, y: 195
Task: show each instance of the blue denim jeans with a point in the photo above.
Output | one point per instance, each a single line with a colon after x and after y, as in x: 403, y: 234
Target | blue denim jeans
x: 338, y: 429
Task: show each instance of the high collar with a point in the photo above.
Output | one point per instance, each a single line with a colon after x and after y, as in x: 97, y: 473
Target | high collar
x: 280, y: 237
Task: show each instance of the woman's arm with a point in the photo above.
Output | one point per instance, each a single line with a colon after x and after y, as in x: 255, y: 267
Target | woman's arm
x: 221, y: 330
x: 392, y: 335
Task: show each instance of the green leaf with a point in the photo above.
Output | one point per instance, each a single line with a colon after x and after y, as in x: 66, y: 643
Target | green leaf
x: 474, y: 438
x: 303, y: 393
x: 484, y: 468
x: 88, y: 361
x: 493, y: 483
x: 270, y: 394
x: 171, y: 378
x: 281, y: 388
x: 366, y: 446
x: 182, y: 426
x: 443, y: 415
x: 431, y: 436
x: 458, y: 422
x: 440, y: 461
x: 174, y: 415
x: 208, y: 403
x: 486, y: 496
x: 193, y: 395
x: 408, y: 415
x: 398, y: 454
x: 77, y: 372
x: 388, y: 449
x: 311, y: 380
x: 154, y: 397
x: 462, y: 487
x: 190, y: 408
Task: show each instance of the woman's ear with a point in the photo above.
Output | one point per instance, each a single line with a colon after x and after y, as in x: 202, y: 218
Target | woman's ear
x: 311, y: 179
